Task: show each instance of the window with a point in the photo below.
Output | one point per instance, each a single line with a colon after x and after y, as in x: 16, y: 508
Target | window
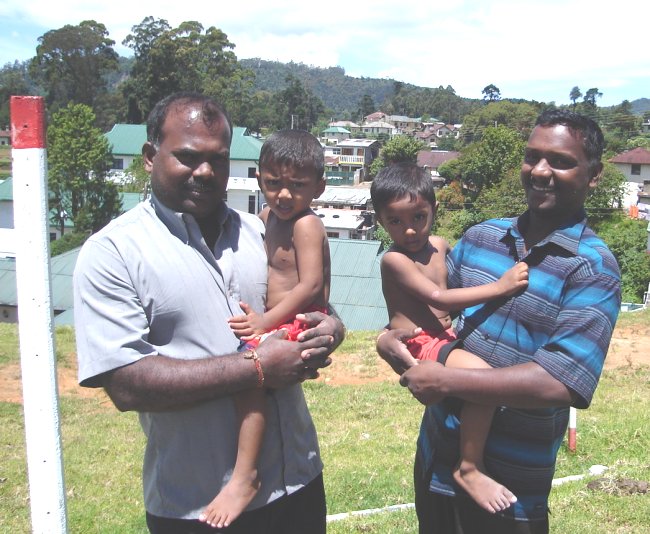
x: 636, y: 169
x: 251, y: 172
x: 332, y: 234
x: 118, y: 163
x: 251, y: 204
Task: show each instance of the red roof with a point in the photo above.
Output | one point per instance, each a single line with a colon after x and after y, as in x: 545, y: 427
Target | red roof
x: 638, y: 156
x: 435, y: 158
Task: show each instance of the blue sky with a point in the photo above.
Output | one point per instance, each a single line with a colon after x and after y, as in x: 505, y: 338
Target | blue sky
x: 536, y: 50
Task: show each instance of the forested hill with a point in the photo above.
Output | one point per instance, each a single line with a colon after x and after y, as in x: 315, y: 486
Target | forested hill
x: 337, y: 90
x: 640, y: 106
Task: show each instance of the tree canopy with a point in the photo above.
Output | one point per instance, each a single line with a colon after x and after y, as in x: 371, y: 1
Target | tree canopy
x: 78, y: 160
x: 72, y: 62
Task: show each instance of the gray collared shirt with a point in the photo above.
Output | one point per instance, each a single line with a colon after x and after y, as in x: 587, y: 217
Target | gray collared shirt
x: 148, y: 284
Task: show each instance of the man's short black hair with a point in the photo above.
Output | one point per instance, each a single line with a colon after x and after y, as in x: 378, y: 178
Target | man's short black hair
x: 401, y: 180
x: 294, y: 148
x: 211, y: 112
x: 592, y: 136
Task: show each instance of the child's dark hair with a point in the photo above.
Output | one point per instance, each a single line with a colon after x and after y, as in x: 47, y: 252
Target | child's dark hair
x: 400, y: 180
x: 295, y: 148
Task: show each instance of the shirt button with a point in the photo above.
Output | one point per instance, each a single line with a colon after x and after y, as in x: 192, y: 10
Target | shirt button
x: 486, y: 336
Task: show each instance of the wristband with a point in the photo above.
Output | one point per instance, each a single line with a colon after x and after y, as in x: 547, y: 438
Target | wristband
x: 250, y: 354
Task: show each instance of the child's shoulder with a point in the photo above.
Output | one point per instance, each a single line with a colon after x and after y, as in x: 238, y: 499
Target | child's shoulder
x: 309, y: 220
x: 439, y: 243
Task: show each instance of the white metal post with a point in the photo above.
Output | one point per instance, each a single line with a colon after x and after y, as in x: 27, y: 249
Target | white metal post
x: 35, y: 321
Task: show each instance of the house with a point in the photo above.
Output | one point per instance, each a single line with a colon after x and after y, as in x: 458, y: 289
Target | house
x: 346, y: 223
x: 645, y: 126
x: 127, y: 140
x: 635, y: 166
x: 351, y: 126
x: 334, y: 134
x: 5, y: 137
x: 378, y: 128
x: 347, y: 163
x: 61, y: 269
x: 432, y: 159
x: 440, y: 129
x: 354, y: 198
x: 404, y: 124
x: 428, y: 137
x: 244, y: 153
x: 129, y: 200
x: 244, y: 194
x: 376, y: 116
x: 355, y: 290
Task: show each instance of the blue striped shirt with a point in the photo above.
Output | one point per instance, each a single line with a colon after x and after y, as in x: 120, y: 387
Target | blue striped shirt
x: 563, y: 322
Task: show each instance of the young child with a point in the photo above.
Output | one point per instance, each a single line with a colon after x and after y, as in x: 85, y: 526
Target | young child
x: 414, y: 282
x: 291, y: 176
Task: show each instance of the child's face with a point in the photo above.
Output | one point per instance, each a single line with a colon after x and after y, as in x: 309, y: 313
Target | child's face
x: 408, y: 222
x: 289, y: 191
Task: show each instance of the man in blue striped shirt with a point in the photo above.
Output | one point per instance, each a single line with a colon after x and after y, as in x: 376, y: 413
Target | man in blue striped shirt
x: 546, y: 345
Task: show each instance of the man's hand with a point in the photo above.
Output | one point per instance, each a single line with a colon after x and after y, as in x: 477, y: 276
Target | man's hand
x: 288, y: 362
x: 321, y: 340
x: 391, y: 346
x: 424, y: 381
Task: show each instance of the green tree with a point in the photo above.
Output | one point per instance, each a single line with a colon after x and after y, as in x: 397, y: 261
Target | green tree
x: 136, y: 178
x: 574, y: 95
x: 627, y: 239
x: 399, y: 148
x: 607, y: 196
x: 591, y: 95
x: 297, y: 106
x: 517, y: 116
x: 486, y: 162
x: 366, y: 106
x: 72, y: 63
x: 78, y: 159
x: 186, y: 58
x: 14, y: 80
x: 505, y: 198
x: 491, y: 93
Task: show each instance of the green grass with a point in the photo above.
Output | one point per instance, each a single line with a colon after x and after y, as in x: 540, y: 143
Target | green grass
x: 367, y: 435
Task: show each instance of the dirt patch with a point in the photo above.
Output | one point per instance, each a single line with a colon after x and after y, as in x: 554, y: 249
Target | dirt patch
x: 629, y: 347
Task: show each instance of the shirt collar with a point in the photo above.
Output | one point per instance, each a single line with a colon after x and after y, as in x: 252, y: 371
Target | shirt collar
x: 566, y: 236
x: 182, y: 225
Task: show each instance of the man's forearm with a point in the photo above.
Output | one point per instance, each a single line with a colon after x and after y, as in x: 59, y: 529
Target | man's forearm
x: 159, y: 383
x: 521, y: 386
x: 526, y: 385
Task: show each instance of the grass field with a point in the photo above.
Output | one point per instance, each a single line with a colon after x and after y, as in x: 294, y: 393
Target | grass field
x: 367, y: 434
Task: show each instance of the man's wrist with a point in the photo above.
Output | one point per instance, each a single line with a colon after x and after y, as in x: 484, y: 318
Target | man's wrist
x: 251, y: 354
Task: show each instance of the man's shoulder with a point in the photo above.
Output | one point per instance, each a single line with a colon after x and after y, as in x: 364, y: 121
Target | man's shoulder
x: 125, y: 223
x: 595, y: 250
x: 488, y: 231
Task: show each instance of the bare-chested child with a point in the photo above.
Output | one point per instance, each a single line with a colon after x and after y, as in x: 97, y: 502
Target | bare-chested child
x: 291, y: 176
x: 414, y: 282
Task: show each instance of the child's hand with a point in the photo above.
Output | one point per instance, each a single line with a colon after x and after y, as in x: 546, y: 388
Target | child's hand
x: 514, y: 279
x: 246, y: 327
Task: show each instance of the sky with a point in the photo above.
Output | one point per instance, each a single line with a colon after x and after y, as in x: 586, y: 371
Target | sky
x: 530, y: 49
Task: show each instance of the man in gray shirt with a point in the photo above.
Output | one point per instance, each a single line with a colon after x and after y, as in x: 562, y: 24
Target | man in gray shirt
x: 153, y: 293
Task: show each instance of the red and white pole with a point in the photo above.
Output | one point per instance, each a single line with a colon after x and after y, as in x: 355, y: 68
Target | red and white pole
x: 573, y: 423
x: 35, y: 320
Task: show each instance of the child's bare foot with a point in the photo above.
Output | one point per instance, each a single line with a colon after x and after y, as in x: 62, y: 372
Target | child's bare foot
x: 488, y: 493
x: 230, y: 502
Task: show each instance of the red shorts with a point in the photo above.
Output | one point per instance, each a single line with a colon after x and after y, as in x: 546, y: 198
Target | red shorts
x: 293, y: 328
x: 427, y: 347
